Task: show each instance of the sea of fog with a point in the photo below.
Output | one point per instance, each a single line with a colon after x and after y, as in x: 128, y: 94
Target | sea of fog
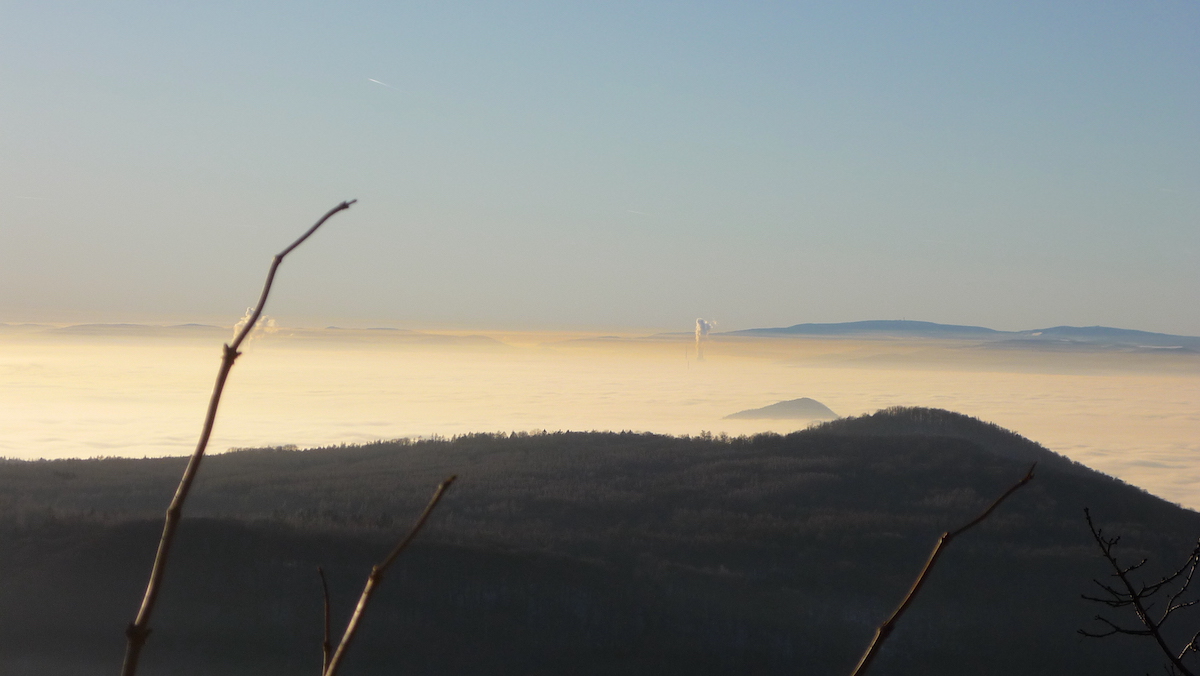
x: 141, y: 391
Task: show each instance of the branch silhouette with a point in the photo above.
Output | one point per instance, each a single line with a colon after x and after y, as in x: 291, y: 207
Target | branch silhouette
x: 889, y: 624
x: 1139, y: 597
x: 139, y: 630
x: 376, y: 577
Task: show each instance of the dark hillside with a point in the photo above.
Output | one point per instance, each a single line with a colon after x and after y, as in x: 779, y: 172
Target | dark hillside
x: 990, y: 437
x: 584, y: 553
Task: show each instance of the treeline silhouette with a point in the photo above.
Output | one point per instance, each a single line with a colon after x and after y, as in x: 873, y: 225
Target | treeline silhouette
x: 584, y: 553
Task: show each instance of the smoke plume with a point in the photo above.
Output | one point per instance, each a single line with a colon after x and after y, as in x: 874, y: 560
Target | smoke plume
x: 702, y: 329
x: 265, y: 325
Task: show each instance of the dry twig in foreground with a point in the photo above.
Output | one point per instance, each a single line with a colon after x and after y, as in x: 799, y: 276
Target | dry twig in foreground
x: 886, y: 628
x: 326, y: 648
x: 1139, y: 597
x: 376, y: 577
x: 139, y: 629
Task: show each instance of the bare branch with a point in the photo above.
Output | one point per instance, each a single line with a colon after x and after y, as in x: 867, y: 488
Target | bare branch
x: 1112, y: 629
x: 262, y: 299
x: 1192, y: 646
x: 1135, y: 566
x: 1189, y: 566
x: 886, y: 628
x: 1103, y: 634
x: 1137, y: 599
x: 1119, y: 596
x: 1108, y: 602
x: 326, y: 647
x: 1173, y: 603
x: 376, y: 577
x: 1178, y: 606
x: 139, y: 629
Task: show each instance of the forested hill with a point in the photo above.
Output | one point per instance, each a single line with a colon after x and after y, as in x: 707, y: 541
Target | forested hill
x: 585, y: 553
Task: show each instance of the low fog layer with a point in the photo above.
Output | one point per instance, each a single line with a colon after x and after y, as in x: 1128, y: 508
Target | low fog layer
x: 140, y: 391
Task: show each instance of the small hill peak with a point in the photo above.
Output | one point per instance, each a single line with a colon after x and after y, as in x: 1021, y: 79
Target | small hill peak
x: 792, y: 409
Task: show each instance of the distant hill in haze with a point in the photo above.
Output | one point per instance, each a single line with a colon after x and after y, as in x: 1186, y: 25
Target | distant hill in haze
x: 1097, y: 336
x: 793, y: 409
x: 585, y: 553
x: 876, y: 328
x: 382, y: 336
x: 140, y: 330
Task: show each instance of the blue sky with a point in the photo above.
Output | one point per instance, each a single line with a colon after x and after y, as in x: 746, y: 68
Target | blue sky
x: 560, y: 165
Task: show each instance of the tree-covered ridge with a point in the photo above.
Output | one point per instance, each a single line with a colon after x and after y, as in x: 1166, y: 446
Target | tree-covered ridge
x: 592, y: 552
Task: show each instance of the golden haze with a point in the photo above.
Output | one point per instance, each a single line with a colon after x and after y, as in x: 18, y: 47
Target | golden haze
x: 100, y: 391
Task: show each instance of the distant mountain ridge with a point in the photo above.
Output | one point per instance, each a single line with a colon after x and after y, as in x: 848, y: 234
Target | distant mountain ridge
x: 1095, y: 335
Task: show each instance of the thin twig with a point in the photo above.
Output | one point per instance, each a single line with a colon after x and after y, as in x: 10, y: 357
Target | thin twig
x: 1173, y: 603
x: 376, y: 577
x: 326, y: 647
x: 1113, y: 628
x: 139, y: 629
x: 1192, y: 645
x: 886, y: 628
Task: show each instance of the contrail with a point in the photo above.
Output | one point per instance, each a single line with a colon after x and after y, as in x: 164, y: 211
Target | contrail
x: 371, y: 79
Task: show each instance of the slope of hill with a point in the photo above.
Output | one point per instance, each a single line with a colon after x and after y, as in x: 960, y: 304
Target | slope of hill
x: 792, y: 409
x: 591, y: 553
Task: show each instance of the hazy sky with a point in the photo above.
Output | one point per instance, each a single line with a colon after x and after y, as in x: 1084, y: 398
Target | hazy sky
x: 1014, y: 165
